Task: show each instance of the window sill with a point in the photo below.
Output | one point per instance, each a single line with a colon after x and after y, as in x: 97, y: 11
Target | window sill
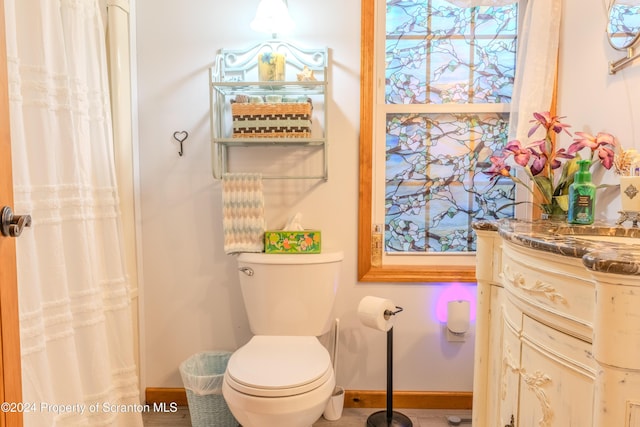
x: 410, y: 273
x: 401, y: 273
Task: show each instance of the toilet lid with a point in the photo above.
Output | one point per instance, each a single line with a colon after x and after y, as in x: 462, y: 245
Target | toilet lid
x: 279, y: 366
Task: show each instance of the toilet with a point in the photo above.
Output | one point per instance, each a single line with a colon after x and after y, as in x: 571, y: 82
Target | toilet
x: 284, y: 376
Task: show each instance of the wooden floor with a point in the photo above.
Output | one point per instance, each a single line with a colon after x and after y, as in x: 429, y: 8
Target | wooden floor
x: 351, y: 417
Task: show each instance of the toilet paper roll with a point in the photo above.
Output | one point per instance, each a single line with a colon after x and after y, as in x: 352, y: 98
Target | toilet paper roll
x: 458, y: 316
x: 371, y: 313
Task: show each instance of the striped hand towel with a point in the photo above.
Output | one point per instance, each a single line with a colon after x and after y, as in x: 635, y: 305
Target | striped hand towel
x: 243, y: 212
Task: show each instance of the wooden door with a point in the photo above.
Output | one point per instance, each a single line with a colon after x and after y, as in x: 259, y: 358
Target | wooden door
x: 10, y: 372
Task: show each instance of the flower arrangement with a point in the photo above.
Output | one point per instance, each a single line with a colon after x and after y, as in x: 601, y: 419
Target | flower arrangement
x: 550, y: 168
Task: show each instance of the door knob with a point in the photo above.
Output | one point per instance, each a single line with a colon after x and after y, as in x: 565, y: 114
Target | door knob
x: 12, y: 225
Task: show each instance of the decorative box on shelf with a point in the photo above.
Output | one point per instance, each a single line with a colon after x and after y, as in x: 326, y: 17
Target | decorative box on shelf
x: 292, y: 242
x: 271, y: 66
x: 271, y: 120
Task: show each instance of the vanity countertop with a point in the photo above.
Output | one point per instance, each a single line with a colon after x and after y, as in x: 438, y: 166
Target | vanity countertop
x: 602, y: 247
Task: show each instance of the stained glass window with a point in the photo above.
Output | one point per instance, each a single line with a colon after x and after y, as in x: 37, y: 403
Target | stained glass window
x: 439, y: 55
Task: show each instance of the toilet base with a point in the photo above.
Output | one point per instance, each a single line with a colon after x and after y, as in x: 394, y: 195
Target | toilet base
x: 292, y: 411
x: 381, y: 419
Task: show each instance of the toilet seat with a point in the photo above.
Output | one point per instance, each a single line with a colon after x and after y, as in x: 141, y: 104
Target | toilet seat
x: 278, y: 366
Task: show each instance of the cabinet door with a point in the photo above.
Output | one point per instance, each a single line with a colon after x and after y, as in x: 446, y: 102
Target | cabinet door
x: 557, y: 378
x: 509, y: 371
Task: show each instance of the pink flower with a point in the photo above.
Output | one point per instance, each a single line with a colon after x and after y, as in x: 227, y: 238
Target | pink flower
x: 563, y: 154
x: 601, y: 146
x: 606, y: 155
x: 520, y: 155
x: 583, y: 140
x: 549, y: 122
x: 498, y: 168
x: 537, y: 166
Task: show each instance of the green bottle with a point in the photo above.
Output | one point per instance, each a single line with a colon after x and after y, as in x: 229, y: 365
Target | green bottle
x: 582, y: 196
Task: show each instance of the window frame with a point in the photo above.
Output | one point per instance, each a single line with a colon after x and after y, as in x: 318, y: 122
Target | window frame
x: 386, y: 272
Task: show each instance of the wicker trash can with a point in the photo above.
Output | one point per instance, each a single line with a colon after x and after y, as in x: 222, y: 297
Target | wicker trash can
x: 202, y: 375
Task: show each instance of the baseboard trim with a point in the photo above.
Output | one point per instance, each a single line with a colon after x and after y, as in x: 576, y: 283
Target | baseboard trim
x: 352, y: 398
x: 166, y: 395
x: 409, y: 399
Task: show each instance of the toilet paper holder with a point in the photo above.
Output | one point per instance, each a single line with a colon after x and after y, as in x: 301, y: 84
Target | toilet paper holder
x: 387, y: 417
x: 389, y: 313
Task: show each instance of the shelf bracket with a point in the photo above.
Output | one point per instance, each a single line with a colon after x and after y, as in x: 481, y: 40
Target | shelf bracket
x: 615, y: 66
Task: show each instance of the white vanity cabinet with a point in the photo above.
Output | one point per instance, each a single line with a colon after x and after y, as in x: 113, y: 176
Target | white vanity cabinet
x: 545, y: 353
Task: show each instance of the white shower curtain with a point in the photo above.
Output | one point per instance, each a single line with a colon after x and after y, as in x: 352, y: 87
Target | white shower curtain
x: 537, y: 64
x: 76, y: 330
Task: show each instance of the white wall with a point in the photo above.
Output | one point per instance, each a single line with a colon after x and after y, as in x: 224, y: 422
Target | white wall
x: 593, y: 100
x: 191, y: 296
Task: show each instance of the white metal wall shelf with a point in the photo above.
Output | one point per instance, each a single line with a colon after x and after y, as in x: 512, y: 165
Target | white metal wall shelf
x: 235, y: 72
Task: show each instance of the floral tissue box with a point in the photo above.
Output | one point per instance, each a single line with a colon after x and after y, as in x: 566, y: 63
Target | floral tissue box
x: 292, y: 242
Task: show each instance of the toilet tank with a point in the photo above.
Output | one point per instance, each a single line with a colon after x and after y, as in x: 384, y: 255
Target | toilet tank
x: 289, y: 294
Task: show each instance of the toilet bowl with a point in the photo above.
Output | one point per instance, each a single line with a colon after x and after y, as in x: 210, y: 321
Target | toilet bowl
x: 283, y: 377
x: 276, y: 381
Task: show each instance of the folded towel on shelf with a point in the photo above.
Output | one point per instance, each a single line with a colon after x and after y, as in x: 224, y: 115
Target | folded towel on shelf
x: 243, y: 212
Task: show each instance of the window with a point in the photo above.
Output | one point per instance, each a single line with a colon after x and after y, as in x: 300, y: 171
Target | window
x: 435, y: 102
